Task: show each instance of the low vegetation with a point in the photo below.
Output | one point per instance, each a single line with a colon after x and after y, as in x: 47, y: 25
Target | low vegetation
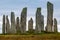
x: 31, y: 36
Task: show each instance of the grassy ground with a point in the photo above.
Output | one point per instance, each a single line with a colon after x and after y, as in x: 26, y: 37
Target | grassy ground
x: 31, y: 37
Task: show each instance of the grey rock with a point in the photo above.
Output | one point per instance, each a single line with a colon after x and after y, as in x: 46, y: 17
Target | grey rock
x: 23, y: 20
x: 30, y: 25
x: 3, y: 25
x: 49, y: 17
x: 55, y: 25
x: 38, y: 20
x: 13, y: 26
x: 7, y: 25
x: 17, y: 25
x: 42, y: 23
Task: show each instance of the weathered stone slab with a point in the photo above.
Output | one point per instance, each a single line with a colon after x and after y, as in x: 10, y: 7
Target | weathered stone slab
x: 13, y: 26
x: 55, y: 25
x: 23, y: 20
x: 3, y: 25
x: 38, y: 20
x: 30, y: 25
x: 17, y: 25
x: 7, y: 25
x: 49, y: 16
x: 42, y: 23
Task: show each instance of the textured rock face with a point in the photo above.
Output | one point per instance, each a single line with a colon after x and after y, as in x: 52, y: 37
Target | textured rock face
x: 3, y: 25
x: 30, y: 25
x: 38, y: 20
x: 42, y: 23
x: 23, y: 20
x: 17, y: 25
x: 55, y: 25
x: 13, y: 26
x: 7, y: 25
x: 49, y: 16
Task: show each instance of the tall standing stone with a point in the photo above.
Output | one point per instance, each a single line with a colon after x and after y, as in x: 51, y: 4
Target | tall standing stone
x: 42, y: 23
x: 49, y: 16
x: 55, y: 25
x: 7, y: 25
x: 13, y: 26
x: 30, y: 25
x: 17, y: 25
x: 38, y: 20
x: 3, y: 25
x: 23, y: 20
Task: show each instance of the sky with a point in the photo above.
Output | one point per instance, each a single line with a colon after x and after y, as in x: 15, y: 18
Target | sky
x: 6, y: 6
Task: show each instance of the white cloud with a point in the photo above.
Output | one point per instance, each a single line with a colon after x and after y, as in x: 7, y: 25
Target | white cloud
x: 58, y: 28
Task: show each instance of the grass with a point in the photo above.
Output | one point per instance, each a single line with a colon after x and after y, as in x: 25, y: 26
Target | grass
x: 41, y: 36
x: 31, y: 36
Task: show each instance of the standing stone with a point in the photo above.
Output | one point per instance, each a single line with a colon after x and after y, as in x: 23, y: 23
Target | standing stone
x: 13, y: 26
x: 23, y: 20
x: 30, y: 25
x: 7, y: 25
x: 45, y: 28
x: 3, y: 25
x: 42, y: 23
x: 49, y: 16
x: 55, y: 25
x: 38, y: 20
x: 17, y: 25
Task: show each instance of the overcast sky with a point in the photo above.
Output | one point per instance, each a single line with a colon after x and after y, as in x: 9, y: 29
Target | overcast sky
x: 6, y: 6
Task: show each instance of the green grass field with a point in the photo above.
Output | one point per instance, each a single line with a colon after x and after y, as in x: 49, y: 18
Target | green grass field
x: 31, y: 37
